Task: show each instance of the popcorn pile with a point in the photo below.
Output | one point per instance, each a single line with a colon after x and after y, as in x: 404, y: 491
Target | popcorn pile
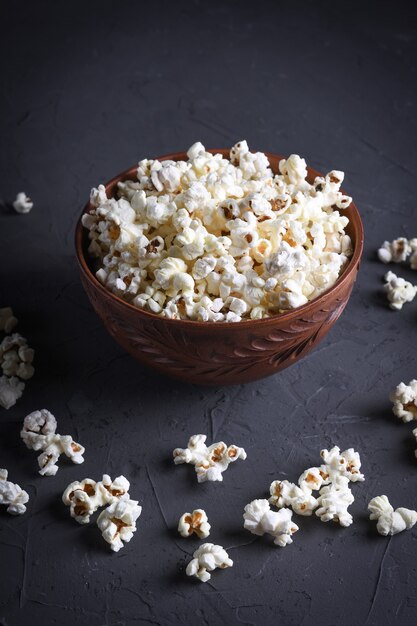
x: 118, y: 521
x: 209, y: 462
x: 398, y: 290
x: 390, y: 522
x: 214, y: 239
x: 16, y: 360
x: 13, y: 496
x: 39, y: 433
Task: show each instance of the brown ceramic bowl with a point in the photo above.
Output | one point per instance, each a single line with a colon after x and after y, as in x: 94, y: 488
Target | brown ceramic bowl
x: 219, y: 353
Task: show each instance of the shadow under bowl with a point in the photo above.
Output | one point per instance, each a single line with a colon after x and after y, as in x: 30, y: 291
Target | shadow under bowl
x: 219, y: 353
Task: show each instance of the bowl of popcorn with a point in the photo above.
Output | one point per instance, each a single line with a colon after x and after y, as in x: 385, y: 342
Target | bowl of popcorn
x: 219, y: 266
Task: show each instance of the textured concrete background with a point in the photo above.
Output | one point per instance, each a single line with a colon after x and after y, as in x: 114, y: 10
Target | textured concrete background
x: 88, y: 88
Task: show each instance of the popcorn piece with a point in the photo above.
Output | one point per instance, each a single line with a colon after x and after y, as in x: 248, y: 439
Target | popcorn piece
x: 395, y: 251
x: 286, y: 494
x: 398, y: 290
x: 210, y: 462
x: 259, y: 519
x: 22, y: 204
x: 206, y: 559
x: 413, y: 257
x: 195, y: 522
x: 390, y: 522
x: 38, y: 433
x: 7, y: 319
x: 118, y: 522
x: 85, y: 497
x: 334, y: 500
x: 16, y: 357
x: 345, y: 463
x: 404, y: 399
x: 13, y: 496
x: 11, y: 389
x: 187, y: 233
x: 415, y: 435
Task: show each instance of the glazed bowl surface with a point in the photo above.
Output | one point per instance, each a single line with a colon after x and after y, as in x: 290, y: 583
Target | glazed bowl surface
x: 219, y: 353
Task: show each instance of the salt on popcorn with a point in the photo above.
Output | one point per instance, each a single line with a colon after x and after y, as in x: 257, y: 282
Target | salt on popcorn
x: 214, y: 239
x: 22, y: 204
x: 399, y: 291
x: 11, y: 495
x: 209, y: 462
x: 194, y: 523
x: 260, y: 520
x: 38, y: 433
x: 206, y: 559
x: 404, y: 399
x: 390, y: 522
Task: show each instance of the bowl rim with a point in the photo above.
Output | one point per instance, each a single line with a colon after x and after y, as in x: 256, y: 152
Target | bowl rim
x: 127, y: 174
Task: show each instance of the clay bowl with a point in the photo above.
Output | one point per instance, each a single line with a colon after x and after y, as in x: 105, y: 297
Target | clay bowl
x: 210, y: 353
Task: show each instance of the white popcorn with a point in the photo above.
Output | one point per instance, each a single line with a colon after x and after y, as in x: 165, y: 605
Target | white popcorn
x: 346, y: 463
x: 11, y: 495
x: 22, y: 204
x: 206, y: 559
x: 209, y: 462
x: 404, y: 399
x: 118, y: 522
x: 334, y: 500
x: 7, y: 319
x: 195, y: 522
x: 38, y: 433
x: 16, y: 358
x: 398, y: 290
x: 395, y: 251
x: 11, y: 389
x: 259, y: 520
x: 84, y: 498
x: 415, y: 435
x: 286, y: 494
x: 200, y: 228
x: 390, y: 522
x: 330, y: 479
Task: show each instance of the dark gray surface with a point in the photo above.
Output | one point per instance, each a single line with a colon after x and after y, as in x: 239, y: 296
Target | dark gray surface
x: 88, y: 89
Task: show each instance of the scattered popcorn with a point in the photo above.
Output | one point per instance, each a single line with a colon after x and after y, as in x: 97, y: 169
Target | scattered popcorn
x: 16, y: 357
x: 259, y: 519
x: 38, y: 433
x: 209, y: 462
x: 390, y: 522
x: 11, y: 389
x: 398, y: 290
x: 12, y: 495
x: 195, y: 522
x: 395, y: 251
x: 220, y: 240
x: 207, y: 558
x: 22, y: 204
x: 404, y: 399
x: 330, y: 480
x: 118, y: 522
x: 7, y: 319
x: 85, y: 497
